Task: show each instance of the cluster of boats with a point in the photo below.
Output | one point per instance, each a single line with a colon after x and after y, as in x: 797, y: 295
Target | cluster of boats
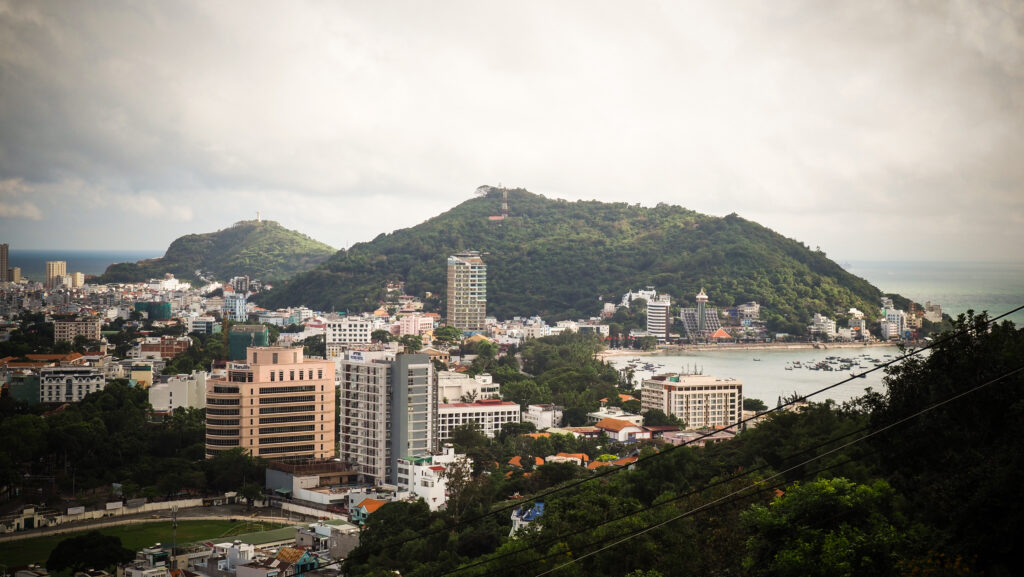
x: 839, y: 364
x: 638, y: 364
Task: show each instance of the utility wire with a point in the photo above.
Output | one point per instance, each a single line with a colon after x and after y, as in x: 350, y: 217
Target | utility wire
x: 614, y: 470
x: 688, y: 494
x: 869, y: 435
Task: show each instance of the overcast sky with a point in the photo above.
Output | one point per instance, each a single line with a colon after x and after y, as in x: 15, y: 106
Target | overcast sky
x: 876, y: 130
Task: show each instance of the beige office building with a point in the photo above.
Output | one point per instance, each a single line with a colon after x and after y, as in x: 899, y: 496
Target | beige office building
x: 276, y: 405
x: 467, y: 291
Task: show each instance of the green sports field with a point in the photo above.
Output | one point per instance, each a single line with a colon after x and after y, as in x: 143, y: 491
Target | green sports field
x: 134, y: 537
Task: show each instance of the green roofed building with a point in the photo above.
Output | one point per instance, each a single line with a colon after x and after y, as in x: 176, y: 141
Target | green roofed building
x: 243, y: 336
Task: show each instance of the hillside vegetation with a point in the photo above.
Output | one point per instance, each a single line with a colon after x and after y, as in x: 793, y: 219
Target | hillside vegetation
x: 559, y: 259
x: 260, y: 249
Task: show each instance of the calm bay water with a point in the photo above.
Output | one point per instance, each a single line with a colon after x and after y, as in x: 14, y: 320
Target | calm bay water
x: 767, y: 378
x: 94, y: 262
x: 997, y: 287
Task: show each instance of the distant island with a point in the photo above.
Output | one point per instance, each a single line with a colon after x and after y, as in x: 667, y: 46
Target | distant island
x: 256, y: 248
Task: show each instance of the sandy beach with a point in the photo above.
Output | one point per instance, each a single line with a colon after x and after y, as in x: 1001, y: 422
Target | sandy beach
x: 674, y: 349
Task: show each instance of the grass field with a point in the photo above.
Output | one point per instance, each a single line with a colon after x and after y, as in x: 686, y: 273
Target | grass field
x: 134, y: 537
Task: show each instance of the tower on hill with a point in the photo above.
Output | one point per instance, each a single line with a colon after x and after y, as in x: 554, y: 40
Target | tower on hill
x: 467, y: 291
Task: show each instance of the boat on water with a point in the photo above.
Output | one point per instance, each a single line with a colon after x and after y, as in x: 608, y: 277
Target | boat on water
x: 861, y: 376
x: 756, y: 359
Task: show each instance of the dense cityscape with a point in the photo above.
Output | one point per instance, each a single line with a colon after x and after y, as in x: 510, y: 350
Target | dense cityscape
x: 339, y: 414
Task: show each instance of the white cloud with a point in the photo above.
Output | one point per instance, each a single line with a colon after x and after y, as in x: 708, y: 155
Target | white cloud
x: 355, y: 119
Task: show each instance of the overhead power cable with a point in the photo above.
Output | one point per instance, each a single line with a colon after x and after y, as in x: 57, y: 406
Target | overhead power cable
x: 886, y: 428
x: 613, y: 470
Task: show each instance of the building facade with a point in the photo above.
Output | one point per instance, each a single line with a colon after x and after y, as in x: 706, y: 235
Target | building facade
x: 276, y: 405
x: 388, y: 411
x: 658, y: 317
x: 467, y: 291
x: 179, y: 391
x: 5, y: 263
x: 344, y: 332
x: 68, y: 330
x: 54, y: 269
x: 699, y: 400
x: 68, y: 384
x: 489, y: 416
x: 543, y: 416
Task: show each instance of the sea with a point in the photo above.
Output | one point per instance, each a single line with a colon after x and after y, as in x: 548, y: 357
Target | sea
x: 996, y: 287
x: 88, y: 262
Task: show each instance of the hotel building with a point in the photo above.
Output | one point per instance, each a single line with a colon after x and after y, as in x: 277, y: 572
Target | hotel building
x: 701, y: 401
x: 276, y: 405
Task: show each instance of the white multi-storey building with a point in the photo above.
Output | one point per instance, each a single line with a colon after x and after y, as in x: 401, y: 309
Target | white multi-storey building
x: 343, y: 332
x: 425, y: 476
x: 488, y: 415
x: 234, y: 307
x: 452, y: 386
x: 822, y: 325
x: 543, y: 416
x: 388, y: 411
x: 658, y: 322
x: 699, y: 400
x: 69, y: 384
x: 894, y: 324
x: 173, y: 391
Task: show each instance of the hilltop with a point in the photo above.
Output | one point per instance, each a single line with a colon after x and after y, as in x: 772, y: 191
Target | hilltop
x: 560, y: 259
x: 260, y: 249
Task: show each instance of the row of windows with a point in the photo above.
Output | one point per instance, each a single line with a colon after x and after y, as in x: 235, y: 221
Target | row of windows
x: 287, y: 449
x: 290, y: 409
x: 292, y: 419
x: 223, y: 442
x: 291, y: 399
x: 213, y: 401
x: 222, y: 422
x: 221, y: 411
x: 219, y: 433
x: 279, y: 375
x: 289, y: 429
x: 240, y: 376
x: 298, y: 389
x: 291, y: 439
x: 218, y: 389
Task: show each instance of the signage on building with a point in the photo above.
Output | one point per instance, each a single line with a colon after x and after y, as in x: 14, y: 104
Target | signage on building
x: 355, y: 356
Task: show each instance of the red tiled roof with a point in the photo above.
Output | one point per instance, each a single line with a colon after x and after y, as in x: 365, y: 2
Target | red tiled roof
x: 610, y: 424
x: 371, y: 504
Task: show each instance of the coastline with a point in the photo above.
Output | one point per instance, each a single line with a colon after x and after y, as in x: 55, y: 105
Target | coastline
x: 673, y: 349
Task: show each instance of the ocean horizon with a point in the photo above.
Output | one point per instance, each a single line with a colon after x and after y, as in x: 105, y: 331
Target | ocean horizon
x: 88, y: 262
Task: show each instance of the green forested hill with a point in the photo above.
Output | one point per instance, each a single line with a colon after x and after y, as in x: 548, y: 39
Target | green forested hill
x: 260, y: 249
x: 559, y: 259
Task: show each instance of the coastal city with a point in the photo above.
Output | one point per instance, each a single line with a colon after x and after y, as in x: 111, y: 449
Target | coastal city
x: 358, y: 410
x: 511, y: 289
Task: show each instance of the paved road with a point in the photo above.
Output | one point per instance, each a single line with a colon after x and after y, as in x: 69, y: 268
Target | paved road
x: 221, y: 512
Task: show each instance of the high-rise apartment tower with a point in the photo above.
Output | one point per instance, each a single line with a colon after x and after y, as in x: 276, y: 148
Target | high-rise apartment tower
x: 388, y: 412
x: 54, y: 269
x: 467, y: 291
